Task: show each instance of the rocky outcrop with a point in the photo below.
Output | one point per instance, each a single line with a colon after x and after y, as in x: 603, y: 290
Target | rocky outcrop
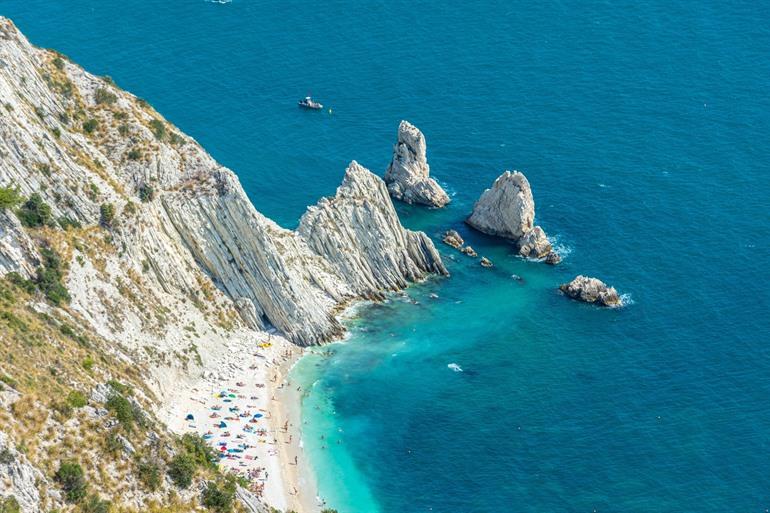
x: 17, y: 251
x: 407, y: 176
x: 591, y: 290
x: 81, y: 142
x: 452, y: 238
x: 18, y: 477
x: 359, y: 233
x: 485, y: 262
x: 507, y: 210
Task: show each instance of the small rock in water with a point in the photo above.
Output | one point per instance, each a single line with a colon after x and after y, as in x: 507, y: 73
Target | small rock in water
x: 455, y: 367
x: 517, y: 277
x: 552, y: 258
x: 452, y: 238
x: 591, y: 290
x: 485, y: 262
x: 469, y: 251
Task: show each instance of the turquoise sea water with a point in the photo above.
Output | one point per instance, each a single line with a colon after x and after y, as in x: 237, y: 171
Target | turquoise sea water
x: 643, y: 128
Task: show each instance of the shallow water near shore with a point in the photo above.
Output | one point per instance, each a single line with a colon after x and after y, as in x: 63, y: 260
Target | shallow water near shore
x: 643, y: 130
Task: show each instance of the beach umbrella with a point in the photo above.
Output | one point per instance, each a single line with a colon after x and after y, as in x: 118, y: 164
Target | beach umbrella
x: 257, y: 415
x: 231, y: 395
x: 222, y: 424
x: 189, y: 417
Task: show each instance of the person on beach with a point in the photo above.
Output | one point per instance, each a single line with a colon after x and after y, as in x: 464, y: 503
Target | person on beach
x: 295, y: 460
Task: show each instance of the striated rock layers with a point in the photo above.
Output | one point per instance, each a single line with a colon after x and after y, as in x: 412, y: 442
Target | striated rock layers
x: 407, y: 176
x: 591, y: 290
x: 508, y: 210
x: 183, y: 227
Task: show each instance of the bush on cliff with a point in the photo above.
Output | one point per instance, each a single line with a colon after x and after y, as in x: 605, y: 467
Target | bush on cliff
x: 220, y: 497
x: 107, y: 215
x: 72, y: 480
x: 181, y: 470
x: 9, y: 505
x: 9, y: 197
x: 49, y: 278
x: 35, y: 212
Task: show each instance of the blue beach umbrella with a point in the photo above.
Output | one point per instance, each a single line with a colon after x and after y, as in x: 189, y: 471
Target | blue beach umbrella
x: 222, y: 424
x: 189, y: 417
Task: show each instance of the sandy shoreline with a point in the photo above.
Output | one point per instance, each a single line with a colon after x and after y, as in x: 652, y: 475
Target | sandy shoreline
x: 248, y: 411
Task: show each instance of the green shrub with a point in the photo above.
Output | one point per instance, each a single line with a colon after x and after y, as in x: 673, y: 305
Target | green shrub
x: 56, y: 132
x: 149, y: 473
x: 49, y: 278
x: 35, y: 212
x: 90, y: 125
x: 123, y: 129
x: 130, y: 209
x: 6, y: 456
x: 123, y: 410
x: 95, y: 505
x: 134, y: 154
x: 9, y: 505
x: 5, y: 378
x: 67, y: 222
x: 328, y: 510
x: 9, y: 197
x: 201, y: 452
x: 220, y: 498
x: 76, y: 399
x: 58, y: 62
x: 72, y: 480
x: 107, y: 215
x: 146, y: 192
x: 103, y: 96
x: 181, y: 470
x: 158, y: 128
x: 27, y: 286
x: 119, y: 387
x: 14, y: 322
x: 88, y: 363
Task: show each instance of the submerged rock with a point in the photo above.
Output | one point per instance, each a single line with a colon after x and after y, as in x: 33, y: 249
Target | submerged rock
x: 407, y: 176
x: 591, y: 290
x: 485, y: 262
x: 507, y: 210
x: 452, y: 238
x: 468, y: 250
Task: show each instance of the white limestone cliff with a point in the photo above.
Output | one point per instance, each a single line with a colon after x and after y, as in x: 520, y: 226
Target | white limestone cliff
x: 507, y: 210
x: 407, y: 176
x: 197, y: 229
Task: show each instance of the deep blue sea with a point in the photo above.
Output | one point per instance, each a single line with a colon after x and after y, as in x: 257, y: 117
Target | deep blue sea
x: 644, y: 129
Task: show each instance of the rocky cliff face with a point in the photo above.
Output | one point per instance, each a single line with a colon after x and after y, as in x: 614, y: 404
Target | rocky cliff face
x: 19, y: 479
x: 181, y: 225
x: 507, y: 210
x: 407, y: 176
x: 359, y: 232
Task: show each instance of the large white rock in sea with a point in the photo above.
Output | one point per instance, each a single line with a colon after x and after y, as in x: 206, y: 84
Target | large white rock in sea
x: 591, y: 290
x: 507, y: 210
x: 407, y: 176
